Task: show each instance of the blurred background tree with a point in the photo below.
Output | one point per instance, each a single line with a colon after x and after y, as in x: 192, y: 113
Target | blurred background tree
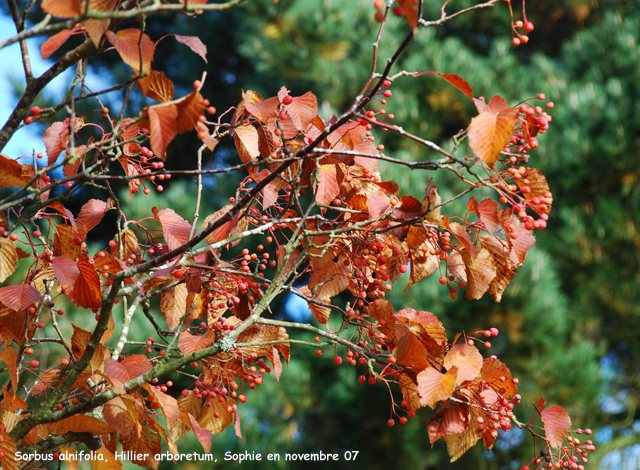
x: 573, y: 312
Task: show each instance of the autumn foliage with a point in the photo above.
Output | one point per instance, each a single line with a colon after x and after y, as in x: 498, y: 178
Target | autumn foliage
x: 325, y: 216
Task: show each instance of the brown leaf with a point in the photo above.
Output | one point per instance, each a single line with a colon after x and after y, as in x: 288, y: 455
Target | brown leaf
x: 168, y: 404
x: 9, y: 449
x: 175, y: 229
x: 327, y: 184
x: 411, y: 353
x: 54, y: 42
x: 538, y: 187
x: 8, y: 258
x: 173, y: 304
x: 458, y: 444
x: 128, y: 43
x: 190, y: 108
x: 62, y: 8
x: 86, y: 291
x: 105, y: 460
x: 10, y: 358
x: 434, y: 386
x: 466, y: 358
x: 204, y: 436
x: 13, y: 173
x: 488, y: 214
x: 409, y: 390
x: 258, y: 333
x: 489, y: 133
x: 423, y: 264
x: 480, y: 272
x: 556, y: 422
x: 207, y: 418
x: 504, y: 273
x: 247, y: 142
x: 130, y: 368
x: 163, y: 127
x: 120, y: 417
x: 378, y: 204
x: 261, y: 109
x: 13, y: 326
x: 91, y: 215
x: 156, y: 86
x: 195, y: 44
x: 20, y: 296
x: 448, y: 420
x: 96, y: 28
x: 79, y: 423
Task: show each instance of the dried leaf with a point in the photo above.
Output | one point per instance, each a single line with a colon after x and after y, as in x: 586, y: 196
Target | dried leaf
x: 458, y: 444
x: 556, y: 422
x: 247, y: 142
x: 195, y: 44
x: 96, y: 28
x: 466, y: 358
x: 204, y: 436
x: 8, y: 258
x: 411, y: 353
x: 207, y: 418
x: 130, y: 367
x: 538, y: 187
x: 105, y: 460
x: 410, y: 8
x: 173, y: 304
x: 156, y: 86
x: 128, y: 43
x: 168, y: 404
x: 57, y: 137
x: 10, y: 358
x: 9, y: 449
x: 79, y: 423
x: 489, y: 133
x: 13, y: 173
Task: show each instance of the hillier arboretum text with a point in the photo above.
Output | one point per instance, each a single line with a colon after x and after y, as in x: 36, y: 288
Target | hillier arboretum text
x: 314, y: 216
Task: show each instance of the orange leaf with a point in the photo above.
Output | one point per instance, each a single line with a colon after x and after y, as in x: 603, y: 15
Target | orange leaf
x: 62, y: 8
x: 538, y: 187
x: 128, y: 43
x: 9, y: 449
x: 446, y: 421
x: 457, y: 81
x: 8, y: 258
x: 466, y: 358
x: 490, y: 132
x: 13, y: 173
x: 378, y: 204
x: 328, y: 188
x: 498, y: 376
x: 189, y: 343
x: 195, y: 44
x: 20, y: 296
x: 173, y: 304
x: 480, y: 272
x: 86, y: 291
x: 556, y: 423
x: 261, y: 109
x: 130, y: 368
x: 79, y: 423
x: 105, y: 460
x: 302, y: 110
x: 10, y: 358
x: 54, y: 42
x: 221, y: 232
x: 488, y: 214
x: 434, y: 386
x: 247, y: 142
x: 207, y: 418
x: 163, y: 127
x: 458, y: 444
x: 410, y: 352
x: 410, y: 8
x: 276, y: 362
x: 156, y: 86
x: 190, y: 108
x: 96, y: 28
x: 175, y: 229
x: 91, y: 215
x: 203, y: 435
x: 168, y: 404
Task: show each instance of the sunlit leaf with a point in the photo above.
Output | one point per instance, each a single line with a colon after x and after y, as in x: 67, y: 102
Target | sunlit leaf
x: 156, y: 86
x: 20, y: 296
x: 556, y: 422
x: 449, y: 419
x: 466, y: 358
x: 175, y: 229
x: 490, y: 132
x: 13, y: 173
x: 434, y: 386
x: 195, y: 44
x: 62, y: 8
x: 129, y: 43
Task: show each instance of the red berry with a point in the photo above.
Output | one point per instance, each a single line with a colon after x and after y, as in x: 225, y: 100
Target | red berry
x: 403, y: 420
x: 318, y: 352
x: 516, y: 42
x: 40, y: 325
x: 378, y: 4
x: 77, y: 241
x: 34, y: 363
x: 379, y: 16
x: 337, y: 360
x: 487, y: 344
x: 387, y: 93
x: 194, y: 365
x: 362, y: 379
x: 528, y: 27
x: 178, y: 274
x: 65, y: 362
x: 391, y: 423
x: 403, y: 268
x: 35, y: 111
x: 442, y: 280
x: 185, y: 393
x: 287, y: 100
x: 494, y: 331
x: 28, y: 120
x: 28, y: 351
x: 13, y: 237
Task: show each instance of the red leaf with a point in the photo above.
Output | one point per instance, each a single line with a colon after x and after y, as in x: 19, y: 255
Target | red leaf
x: 168, y: 404
x: 190, y: 108
x: 54, y: 42
x: 57, y: 137
x: 328, y: 187
x: 434, y: 386
x: 20, y: 296
x: 494, y: 371
x: 66, y: 270
x: 488, y: 214
x: 262, y: 109
x: 62, y: 8
x: 128, y: 43
x: 466, y: 358
x: 378, y: 204
x: 195, y: 44
x: 410, y: 8
x: 556, y: 423
x: 457, y: 81
x: 189, y: 343
x: 130, y: 368
x: 497, y: 104
x: 163, y: 127
x: 86, y: 291
x: 277, y: 363
x: 461, y: 234
x: 302, y: 110
x: 203, y: 435
x: 175, y: 229
x: 490, y: 132
x: 13, y: 173
x: 410, y: 352
x: 446, y: 421
x: 91, y: 215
